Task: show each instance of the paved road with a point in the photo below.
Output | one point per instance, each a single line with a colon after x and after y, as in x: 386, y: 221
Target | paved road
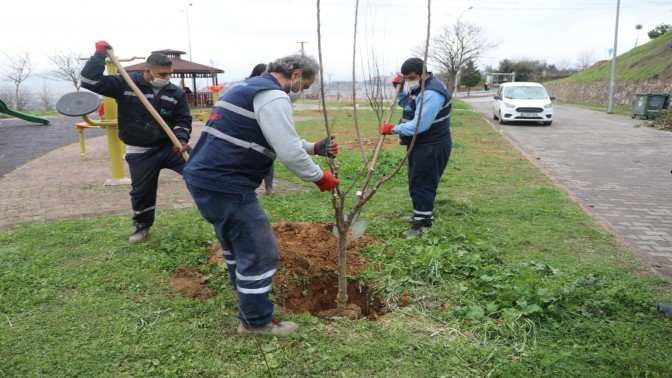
x: 617, y: 170
x: 22, y: 141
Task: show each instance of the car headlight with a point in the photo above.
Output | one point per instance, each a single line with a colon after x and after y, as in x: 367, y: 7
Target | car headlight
x: 506, y: 104
x: 548, y: 106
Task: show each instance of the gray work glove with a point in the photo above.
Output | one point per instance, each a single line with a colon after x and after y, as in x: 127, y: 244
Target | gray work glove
x: 326, y: 148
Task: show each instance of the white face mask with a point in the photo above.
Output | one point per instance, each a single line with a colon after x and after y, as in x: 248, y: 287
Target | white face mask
x: 413, y: 85
x: 291, y: 88
x: 294, y: 95
x: 157, y: 82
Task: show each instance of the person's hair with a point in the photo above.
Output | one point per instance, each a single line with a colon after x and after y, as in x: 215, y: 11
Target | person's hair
x: 258, y: 70
x: 158, y: 59
x: 415, y: 65
x: 285, y: 66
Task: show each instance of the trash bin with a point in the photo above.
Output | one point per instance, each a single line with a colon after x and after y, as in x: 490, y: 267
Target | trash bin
x: 648, y: 105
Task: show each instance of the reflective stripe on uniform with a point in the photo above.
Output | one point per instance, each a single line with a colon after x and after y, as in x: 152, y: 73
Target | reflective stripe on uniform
x: 238, y: 142
x: 144, y: 210
x: 228, y: 257
x: 260, y: 290
x: 131, y: 93
x: 169, y: 99
x: 89, y: 81
x: 236, y: 109
x: 447, y: 116
x: 258, y: 277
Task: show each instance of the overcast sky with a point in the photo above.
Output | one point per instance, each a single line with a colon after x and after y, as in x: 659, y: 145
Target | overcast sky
x: 236, y: 35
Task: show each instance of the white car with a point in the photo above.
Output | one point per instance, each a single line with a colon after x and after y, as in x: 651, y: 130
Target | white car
x: 522, y: 102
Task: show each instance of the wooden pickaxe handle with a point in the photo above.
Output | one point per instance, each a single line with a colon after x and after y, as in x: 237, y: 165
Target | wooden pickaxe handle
x: 143, y: 99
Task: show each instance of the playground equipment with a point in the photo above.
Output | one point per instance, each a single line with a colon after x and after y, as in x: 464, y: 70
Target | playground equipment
x: 15, y: 113
x: 215, y: 92
x: 77, y: 104
x: 108, y: 121
x: 203, y: 114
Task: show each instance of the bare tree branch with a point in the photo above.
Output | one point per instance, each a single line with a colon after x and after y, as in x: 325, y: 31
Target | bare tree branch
x: 17, y: 71
x: 46, y: 98
x: 375, y: 95
x: 455, y: 45
x: 68, y: 68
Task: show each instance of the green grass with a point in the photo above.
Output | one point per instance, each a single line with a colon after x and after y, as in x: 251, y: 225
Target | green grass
x: 649, y: 61
x: 513, y: 280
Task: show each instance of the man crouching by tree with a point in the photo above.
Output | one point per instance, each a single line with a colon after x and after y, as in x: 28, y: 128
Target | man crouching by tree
x: 249, y: 126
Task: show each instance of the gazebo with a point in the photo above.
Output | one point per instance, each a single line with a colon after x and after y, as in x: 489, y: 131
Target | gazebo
x: 185, y: 69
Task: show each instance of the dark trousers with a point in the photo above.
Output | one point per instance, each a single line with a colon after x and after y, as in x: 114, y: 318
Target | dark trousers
x: 144, y: 169
x: 426, y: 164
x: 248, y: 245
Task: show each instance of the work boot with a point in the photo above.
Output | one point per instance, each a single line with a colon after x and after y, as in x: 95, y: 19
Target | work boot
x: 140, y: 235
x: 415, y: 230
x: 408, y: 219
x: 276, y: 328
x: 269, y: 190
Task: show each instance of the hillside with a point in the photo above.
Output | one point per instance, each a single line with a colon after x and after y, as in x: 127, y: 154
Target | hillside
x: 644, y: 69
x: 650, y: 61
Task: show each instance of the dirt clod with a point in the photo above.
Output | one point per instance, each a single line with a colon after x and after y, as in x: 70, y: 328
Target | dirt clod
x: 190, y: 283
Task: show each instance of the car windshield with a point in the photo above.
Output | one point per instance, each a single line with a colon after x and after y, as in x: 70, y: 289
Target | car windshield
x: 525, y: 93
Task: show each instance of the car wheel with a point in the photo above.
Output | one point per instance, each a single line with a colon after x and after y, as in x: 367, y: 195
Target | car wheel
x: 547, y: 123
x: 501, y: 119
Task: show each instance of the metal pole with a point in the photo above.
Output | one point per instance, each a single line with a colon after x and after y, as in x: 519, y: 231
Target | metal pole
x: 191, y: 58
x: 612, y: 82
x: 302, y: 51
x: 459, y: 63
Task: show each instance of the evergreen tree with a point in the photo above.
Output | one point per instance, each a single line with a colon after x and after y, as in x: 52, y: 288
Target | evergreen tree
x: 659, y: 30
x: 471, y: 76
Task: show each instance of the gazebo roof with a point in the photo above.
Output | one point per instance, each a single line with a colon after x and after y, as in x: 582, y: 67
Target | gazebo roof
x: 180, y: 66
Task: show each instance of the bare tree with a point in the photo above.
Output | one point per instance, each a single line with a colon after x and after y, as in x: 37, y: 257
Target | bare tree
x: 25, y: 97
x: 563, y: 64
x: 17, y: 71
x: 7, y: 95
x: 68, y: 68
x: 46, y: 98
x: 346, y: 220
x: 586, y: 58
x: 455, y: 45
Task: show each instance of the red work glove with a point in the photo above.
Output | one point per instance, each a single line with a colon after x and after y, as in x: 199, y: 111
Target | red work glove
x: 326, y: 148
x: 178, y: 151
x: 327, y: 182
x: 386, y: 128
x: 102, y: 47
x: 397, y: 81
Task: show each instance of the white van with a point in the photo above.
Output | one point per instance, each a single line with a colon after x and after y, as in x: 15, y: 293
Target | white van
x: 522, y: 102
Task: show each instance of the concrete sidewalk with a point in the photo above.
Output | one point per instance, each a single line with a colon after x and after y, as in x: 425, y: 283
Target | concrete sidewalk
x: 61, y: 185
x: 615, y: 168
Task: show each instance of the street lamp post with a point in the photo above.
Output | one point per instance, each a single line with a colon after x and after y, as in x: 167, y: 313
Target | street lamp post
x: 612, y: 82
x: 303, y: 52
x: 459, y: 62
x: 191, y: 58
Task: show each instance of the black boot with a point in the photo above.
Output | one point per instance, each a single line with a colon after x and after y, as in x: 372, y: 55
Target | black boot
x: 415, y: 230
x: 140, y: 235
